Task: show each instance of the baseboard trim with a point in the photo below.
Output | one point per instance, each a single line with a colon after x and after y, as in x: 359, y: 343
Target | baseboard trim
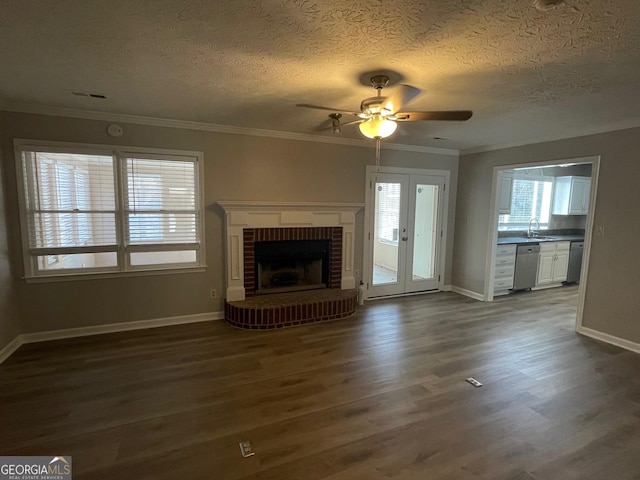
x: 8, y: 349
x: 610, y: 339
x: 108, y: 328
x: 446, y: 288
x: 467, y: 293
x: 544, y: 287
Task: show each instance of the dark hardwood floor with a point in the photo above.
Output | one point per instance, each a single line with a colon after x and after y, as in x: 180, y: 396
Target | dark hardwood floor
x: 381, y: 395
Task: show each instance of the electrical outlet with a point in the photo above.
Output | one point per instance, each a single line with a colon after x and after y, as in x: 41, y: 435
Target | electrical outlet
x: 246, y: 449
x: 213, y: 293
x: 599, y: 230
x: 356, y: 273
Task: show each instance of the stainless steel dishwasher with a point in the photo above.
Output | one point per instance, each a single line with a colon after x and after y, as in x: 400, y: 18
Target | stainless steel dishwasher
x: 575, y: 262
x: 526, y: 266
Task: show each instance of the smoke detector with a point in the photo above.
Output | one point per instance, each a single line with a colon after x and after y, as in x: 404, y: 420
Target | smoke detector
x: 546, y: 5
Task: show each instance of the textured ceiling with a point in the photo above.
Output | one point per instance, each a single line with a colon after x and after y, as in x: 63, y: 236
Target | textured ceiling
x: 526, y: 74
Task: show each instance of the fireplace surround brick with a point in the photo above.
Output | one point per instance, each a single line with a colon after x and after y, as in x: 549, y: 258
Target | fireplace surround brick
x: 253, y: 235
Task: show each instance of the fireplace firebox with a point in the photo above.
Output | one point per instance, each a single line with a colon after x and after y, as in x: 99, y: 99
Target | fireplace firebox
x: 291, y: 265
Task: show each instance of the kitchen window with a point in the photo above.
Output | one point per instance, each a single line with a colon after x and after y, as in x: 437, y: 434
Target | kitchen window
x: 102, y: 210
x: 529, y: 199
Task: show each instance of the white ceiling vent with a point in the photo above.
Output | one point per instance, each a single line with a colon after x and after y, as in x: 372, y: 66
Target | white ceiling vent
x: 546, y: 5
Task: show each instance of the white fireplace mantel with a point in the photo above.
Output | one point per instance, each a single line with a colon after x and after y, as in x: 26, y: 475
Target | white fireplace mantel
x: 248, y: 214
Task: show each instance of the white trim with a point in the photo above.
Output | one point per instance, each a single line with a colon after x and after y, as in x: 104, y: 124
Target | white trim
x: 418, y: 148
x: 249, y: 206
x: 610, y: 339
x: 401, y: 295
x: 119, y: 327
x: 119, y: 155
x: 545, y: 286
x: 10, y: 348
x: 594, y: 160
x: 467, y: 293
x: 446, y: 288
x: 107, y: 328
x: 588, y: 235
x: 74, y: 277
x: 367, y: 253
x: 101, y: 148
x: 210, y: 127
x: 255, y: 214
x: 611, y: 127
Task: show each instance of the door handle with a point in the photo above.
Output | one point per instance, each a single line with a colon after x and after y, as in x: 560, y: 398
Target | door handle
x: 404, y: 239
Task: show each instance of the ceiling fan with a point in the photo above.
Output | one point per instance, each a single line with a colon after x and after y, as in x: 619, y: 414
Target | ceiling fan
x: 378, y: 115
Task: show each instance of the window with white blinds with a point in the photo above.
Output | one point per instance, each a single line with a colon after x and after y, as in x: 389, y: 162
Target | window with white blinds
x: 110, y: 211
x: 529, y: 199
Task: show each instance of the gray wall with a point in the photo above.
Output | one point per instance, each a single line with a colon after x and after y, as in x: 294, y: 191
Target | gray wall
x: 237, y: 167
x: 612, y: 301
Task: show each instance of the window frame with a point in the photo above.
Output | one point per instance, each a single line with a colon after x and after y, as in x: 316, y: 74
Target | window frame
x: 119, y: 154
x: 525, y: 177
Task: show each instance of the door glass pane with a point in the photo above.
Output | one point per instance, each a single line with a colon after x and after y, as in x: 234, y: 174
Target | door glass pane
x: 386, y: 233
x: 424, y: 232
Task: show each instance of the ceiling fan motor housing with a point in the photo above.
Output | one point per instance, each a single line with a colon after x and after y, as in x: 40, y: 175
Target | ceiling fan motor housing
x: 379, y: 81
x: 374, y: 105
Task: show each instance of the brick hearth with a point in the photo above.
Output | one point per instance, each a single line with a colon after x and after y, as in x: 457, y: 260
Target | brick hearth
x: 266, y: 312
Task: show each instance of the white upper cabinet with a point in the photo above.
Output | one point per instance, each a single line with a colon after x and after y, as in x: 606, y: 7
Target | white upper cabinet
x: 505, y: 184
x: 571, y: 195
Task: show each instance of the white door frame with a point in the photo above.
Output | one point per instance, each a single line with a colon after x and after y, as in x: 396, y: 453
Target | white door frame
x: 367, y: 264
x: 588, y: 232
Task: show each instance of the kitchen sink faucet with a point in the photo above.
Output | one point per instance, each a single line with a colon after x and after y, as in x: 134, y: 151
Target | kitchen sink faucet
x: 531, y: 232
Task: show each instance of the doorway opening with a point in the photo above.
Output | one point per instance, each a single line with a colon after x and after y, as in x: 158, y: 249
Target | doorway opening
x: 541, y: 228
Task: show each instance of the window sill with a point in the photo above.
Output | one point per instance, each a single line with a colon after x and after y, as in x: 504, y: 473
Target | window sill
x: 74, y: 277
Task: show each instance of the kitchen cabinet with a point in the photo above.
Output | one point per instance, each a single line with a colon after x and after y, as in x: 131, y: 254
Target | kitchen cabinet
x: 505, y: 190
x: 553, y: 262
x: 571, y: 195
x: 505, y: 268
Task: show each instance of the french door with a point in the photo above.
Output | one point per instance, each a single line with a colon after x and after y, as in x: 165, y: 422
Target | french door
x: 405, y: 233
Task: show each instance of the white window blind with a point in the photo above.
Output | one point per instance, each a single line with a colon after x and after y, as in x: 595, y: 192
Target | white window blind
x: 75, y: 222
x: 529, y: 199
x: 161, y: 200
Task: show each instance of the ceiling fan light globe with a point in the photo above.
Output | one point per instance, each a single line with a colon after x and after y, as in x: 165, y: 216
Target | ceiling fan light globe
x: 378, y: 127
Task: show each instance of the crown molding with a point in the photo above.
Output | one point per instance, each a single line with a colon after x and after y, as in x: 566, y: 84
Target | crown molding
x: 210, y: 127
x: 609, y: 127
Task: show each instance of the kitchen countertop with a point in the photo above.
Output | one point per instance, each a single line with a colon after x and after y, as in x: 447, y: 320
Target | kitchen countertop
x: 552, y: 238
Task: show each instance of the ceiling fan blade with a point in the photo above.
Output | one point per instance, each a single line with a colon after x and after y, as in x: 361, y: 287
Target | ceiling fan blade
x: 400, y: 96
x: 455, y: 115
x: 324, y: 127
x: 355, y: 122
x: 319, y: 107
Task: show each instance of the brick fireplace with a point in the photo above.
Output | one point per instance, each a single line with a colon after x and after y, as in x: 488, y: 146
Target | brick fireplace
x: 287, y: 237
x: 280, y: 220
x: 319, y: 284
